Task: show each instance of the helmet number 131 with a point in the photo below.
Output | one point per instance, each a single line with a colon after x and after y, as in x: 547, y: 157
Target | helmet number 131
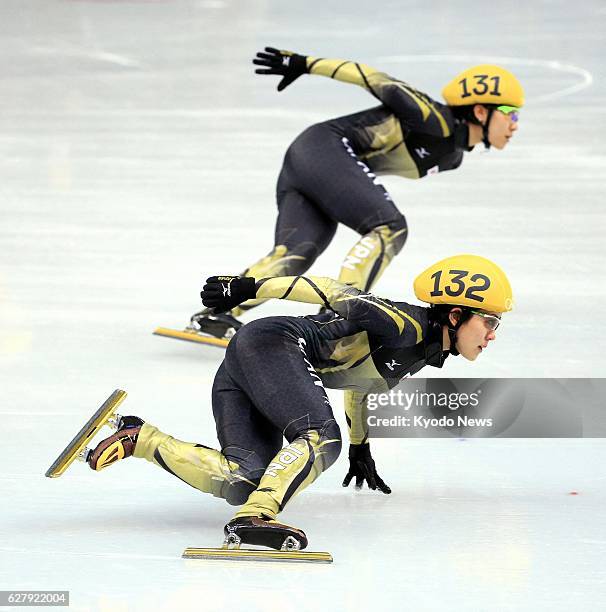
x: 481, y: 86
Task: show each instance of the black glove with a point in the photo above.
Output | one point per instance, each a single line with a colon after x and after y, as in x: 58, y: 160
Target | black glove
x: 362, y: 466
x: 225, y: 292
x: 290, y: 65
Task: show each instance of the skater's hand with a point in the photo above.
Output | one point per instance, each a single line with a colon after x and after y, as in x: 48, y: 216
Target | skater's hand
x: 225, y: 292
x: 362, y: 466
x: 290, y: 65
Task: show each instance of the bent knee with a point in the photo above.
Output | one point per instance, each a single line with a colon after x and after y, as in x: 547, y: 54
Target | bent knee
x: 329, y: 443
x: 247, y: 468
x: 398, y: 224
x: 300, y: 258
x: 237, y: 493
x: 398, y: 233
x: 392, y: 235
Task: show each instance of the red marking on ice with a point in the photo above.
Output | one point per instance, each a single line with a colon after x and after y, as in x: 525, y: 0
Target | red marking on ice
x: 573, y: 493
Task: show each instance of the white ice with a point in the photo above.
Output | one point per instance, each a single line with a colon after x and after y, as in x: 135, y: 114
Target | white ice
x: 139, y: 153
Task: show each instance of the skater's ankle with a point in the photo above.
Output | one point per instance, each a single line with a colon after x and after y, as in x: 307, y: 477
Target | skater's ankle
x: 119, y: 445
x: 130, y: 421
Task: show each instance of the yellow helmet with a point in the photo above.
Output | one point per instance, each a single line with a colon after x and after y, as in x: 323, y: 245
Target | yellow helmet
x: 484, y: 84
x: 465, y: 280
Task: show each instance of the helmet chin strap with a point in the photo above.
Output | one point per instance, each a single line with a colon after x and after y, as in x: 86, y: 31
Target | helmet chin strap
x: 434, y: 348
x: 452, y: 335
x: 485, y: 127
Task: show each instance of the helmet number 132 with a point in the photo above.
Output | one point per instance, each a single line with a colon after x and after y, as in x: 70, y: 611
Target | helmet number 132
x: 457, y: 286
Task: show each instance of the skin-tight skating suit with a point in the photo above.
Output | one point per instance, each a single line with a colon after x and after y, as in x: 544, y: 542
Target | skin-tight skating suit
x: 271, y: 386
x: 330, y: 171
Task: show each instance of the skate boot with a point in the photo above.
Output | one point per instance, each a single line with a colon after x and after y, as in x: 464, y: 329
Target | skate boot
x: 263, y: 531
x: 287, y: 543
x: 119, y: 445
x: 222, y: 325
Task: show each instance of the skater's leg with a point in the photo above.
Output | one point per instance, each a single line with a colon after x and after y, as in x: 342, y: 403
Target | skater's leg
x: 259, y: 358
x: 313, y: 450
x: 367, y: 260
x: 247, y: 440
x: 203, y: 468
x: 302, y: 233
x: 330, y: 173
x: 246, y: 436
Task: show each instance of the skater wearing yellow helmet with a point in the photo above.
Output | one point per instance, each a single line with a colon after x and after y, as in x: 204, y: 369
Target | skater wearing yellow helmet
x: 330, y: 172
x: 475, y: 95
x: 272, y: 382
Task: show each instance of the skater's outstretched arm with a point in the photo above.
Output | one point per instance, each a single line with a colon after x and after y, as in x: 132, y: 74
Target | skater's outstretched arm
x: 415, y: 110
x: 378, y: 316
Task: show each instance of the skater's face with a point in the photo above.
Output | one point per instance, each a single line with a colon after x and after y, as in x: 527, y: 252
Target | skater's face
x: 476, y: 333
x: 501, y: 128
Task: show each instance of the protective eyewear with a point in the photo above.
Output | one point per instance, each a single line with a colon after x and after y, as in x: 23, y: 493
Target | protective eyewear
x: 492, y: 321
x: 513, y: 112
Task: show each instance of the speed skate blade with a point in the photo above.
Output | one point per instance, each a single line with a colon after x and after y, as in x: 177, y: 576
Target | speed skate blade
x: 248, y: 554
x: 82, y: 438
x: 191, y: 336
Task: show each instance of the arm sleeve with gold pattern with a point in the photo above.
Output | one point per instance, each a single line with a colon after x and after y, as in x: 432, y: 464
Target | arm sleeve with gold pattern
x: 356, y: 414
x: 378, y: 316
x: 416, y: 111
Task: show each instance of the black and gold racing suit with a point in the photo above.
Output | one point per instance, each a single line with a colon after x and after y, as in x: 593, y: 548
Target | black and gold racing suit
x: 330, y: 171
x: 271, y: 386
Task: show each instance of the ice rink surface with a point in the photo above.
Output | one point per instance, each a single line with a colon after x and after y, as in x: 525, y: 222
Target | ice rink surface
x: 138, y: 155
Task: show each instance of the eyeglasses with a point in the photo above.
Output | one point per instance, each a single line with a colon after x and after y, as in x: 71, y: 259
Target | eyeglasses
x: 492, y: 321
x: 513, y: 112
